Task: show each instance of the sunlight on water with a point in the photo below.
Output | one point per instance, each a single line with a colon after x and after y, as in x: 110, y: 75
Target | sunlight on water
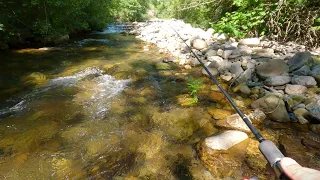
x: 98, y: 111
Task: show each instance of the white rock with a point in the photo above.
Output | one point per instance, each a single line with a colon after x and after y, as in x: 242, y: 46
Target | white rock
x: 250, y: 41
x: 199, y: 44
x: 187, y: 66
x: 277, y: 80
x: 220, y: 36
x: 225, y: 140
x: 295, y: 89
x: 215, y: 58
x: 220, y: 52
x: 226, y: 76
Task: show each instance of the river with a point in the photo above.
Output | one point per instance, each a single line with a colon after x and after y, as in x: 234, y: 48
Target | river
x: 104, y: 107
x: 84, y: 110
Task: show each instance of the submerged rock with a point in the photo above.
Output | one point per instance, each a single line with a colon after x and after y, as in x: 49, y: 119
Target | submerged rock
x: 224, y: 154
x: 293, y: 148
x: 315, y: 128
x: 163, y: 66
x: 233, y: 122
x: 219, y: 113
x: 178, y: 124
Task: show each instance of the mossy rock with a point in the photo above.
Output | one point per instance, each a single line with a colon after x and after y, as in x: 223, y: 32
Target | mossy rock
x: 186, y: 100
x: 163, y: 66
x: 219, y: 113
x: 316, y: 59
x: 178, y: 124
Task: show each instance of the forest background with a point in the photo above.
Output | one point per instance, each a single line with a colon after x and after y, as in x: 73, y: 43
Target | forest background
x: 41, y: 21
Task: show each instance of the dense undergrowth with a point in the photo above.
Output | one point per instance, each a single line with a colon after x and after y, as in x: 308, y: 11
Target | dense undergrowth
x: 282, y: 20
x: 43, y: 20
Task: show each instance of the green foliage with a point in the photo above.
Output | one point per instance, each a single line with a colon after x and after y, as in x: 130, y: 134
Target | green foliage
x: 132, y: 10
x: 239, y: 23
x: 316, y: 27
x: 51, y: 18
x: 194, y: 85
x: 285, y: 20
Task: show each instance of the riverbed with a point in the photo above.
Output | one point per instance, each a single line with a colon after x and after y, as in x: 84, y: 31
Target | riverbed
x: 105, y: 107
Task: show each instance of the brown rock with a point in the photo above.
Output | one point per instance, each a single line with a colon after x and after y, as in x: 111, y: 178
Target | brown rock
x: 217, y: 97
x: 219, y: 113
x: 293, y: 148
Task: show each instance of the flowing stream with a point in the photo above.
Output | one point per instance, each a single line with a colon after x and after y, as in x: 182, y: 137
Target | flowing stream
x: 100, y: 107
x: 85, y: 110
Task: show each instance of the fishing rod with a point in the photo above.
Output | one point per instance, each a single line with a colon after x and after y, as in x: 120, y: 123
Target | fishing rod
x: 269, y: 150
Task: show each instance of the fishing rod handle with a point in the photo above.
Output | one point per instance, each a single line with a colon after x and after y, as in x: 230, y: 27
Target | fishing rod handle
x: 273, y: 156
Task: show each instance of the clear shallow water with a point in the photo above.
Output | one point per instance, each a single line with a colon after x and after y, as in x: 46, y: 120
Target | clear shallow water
x: 91, y: 111
x: 99, y: 108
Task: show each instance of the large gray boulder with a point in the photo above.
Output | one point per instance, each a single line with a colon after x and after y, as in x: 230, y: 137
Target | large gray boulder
x: 277, y: 80
x: 274, y: 67
x: 273, y: 106
x: 300, y: 59
x: 308, y: 81
x: 199, y: 44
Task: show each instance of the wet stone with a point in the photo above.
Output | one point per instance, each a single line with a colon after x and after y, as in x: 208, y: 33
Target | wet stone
x: 224, y: 154
x: 293, y: 148
x: 233, y: 122
x: 178, y: 124
x: 219, y: 113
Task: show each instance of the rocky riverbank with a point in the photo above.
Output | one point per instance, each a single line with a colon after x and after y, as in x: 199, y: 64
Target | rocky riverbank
x: 281, y: 78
